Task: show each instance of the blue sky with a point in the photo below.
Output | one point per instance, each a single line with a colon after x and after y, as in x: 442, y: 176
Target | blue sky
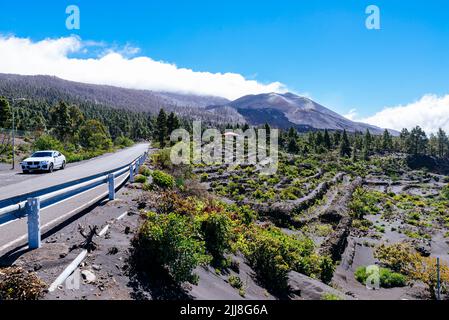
x: 318, y: 47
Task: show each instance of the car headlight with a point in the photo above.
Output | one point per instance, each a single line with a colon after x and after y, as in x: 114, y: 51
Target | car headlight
x: 44, y: 162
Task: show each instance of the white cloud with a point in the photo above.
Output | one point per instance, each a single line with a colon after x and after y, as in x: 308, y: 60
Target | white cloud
x: 431, y: 112
x: 56, y: 57
x: 351, y: 115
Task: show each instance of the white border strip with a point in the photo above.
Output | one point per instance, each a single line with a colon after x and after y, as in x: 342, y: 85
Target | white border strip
x: 68, y: 271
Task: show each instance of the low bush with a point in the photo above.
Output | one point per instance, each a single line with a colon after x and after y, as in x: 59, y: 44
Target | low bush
x: 216, y: 231
x: 170, y: 242
x: 123, y: 142
x: 398, y: 257
x: 365, y: 203
x: 424, y: 269
x: 163, y: 180
x: 330, y: 297
x: 18, y: 284
x: 245, y: 214
x: 140, y: 179
x: 47, y: 142
x: 272, y: 254
x: 387, y: 278
x: 162, y: 159
x: 145, y: 171
x: 445, y: 192
x: 72, y: 153
x: 235, y: 282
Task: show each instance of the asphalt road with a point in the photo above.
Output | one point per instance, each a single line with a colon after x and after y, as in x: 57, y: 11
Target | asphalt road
x: 14, y: 234
x: 15, y: 183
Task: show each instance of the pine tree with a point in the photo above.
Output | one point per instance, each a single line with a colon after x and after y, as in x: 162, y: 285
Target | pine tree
x: 61, y: 122
x: 365, y: 153
x: 292, y: 133
x: 267, y: 129
x: 443, y: 143
x: 161, y: 128
x: 404, y: 137
x: 354, y: 153
x: 172, y: 123
x: 387, y: 141
x: 267, y: 134
x: 433, y: 145
x: 5, y: 113
x: 327, y: 140
x: 368, y: 141
x: 418, y: 141
x: 337, y: 139
x: 345, y: 147
x: 293, y: 145
x: 319, y: 140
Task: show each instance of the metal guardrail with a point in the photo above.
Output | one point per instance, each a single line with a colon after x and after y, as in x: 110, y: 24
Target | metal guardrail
x: 32, y: 206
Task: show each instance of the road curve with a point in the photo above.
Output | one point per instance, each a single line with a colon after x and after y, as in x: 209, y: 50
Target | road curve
x: 83, y: 170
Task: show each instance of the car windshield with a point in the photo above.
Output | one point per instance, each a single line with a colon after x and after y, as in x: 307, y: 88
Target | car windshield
x: 42, y: 155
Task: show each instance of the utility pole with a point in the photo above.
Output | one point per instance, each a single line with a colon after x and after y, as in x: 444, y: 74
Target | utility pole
x: 13, y: 142
x: 14, y: 132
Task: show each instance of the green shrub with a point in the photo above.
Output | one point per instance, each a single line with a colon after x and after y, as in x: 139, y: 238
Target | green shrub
x: 330, y: 297
x: 123, y: 142
x: 162, y: 159
x: 140, y: 179
x: 398, y: 257
x: 327, y: 268
x: 365, y: 203
x: 163, y: 180
x: 387, y: 278
x: 46, y: 142
x: 18, y: 284
x: 74, y: 157
x: 171, y: 242
x: 245, y: 214
x: 272, y: 254
x: 445, y: 192
x: 95, y: 136
x: 216, y: 230
x: 235, y: 282
x: 145, y: 171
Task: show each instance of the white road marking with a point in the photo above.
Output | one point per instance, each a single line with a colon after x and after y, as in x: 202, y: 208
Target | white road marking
x: 103, y: 231
x: 121, y: 216
x: 75, y: 263
x: 68, y: 271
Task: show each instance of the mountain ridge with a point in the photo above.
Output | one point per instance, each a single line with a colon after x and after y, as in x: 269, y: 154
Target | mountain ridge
x: 291, y: 110
x: 282, y: 110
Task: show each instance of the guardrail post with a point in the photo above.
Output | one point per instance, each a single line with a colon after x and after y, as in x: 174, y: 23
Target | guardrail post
x: 131, y: 173
x: 33, y: 208
x: 111, y: 183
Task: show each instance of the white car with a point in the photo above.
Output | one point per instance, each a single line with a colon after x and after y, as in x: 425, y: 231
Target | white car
x: 44, y: 161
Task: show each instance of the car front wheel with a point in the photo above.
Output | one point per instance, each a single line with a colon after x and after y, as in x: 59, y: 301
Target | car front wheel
x: 25, y: 172
x: 50, y: 169
x: 63, y: 165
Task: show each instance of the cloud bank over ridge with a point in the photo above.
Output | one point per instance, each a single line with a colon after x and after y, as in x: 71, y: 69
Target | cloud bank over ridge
x: 59, y: 57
